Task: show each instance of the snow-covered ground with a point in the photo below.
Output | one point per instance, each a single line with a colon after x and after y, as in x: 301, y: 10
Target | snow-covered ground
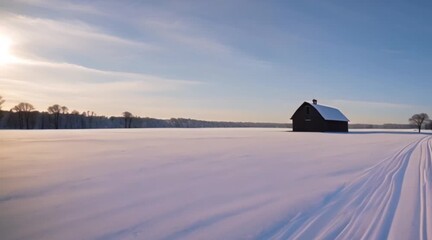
x: 215, y: 184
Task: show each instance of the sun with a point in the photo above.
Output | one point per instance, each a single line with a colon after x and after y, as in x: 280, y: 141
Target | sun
x: 5, y: 50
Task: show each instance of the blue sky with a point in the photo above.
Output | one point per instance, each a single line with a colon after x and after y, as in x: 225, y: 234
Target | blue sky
x: 219, y: 60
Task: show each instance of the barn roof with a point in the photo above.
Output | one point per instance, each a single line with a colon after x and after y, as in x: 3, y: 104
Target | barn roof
x: 329, y: 113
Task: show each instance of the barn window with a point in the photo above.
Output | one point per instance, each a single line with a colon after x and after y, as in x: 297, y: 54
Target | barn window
x: 307, y: 110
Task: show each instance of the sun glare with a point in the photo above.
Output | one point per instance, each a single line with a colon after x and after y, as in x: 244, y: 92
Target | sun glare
x: 5, y: 50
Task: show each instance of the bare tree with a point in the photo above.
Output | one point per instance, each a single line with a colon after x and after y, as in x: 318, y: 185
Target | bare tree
x: 1, y: 102
x: 23, y: 110
x: 91, y: 115
x: 55, y: 111
x: 128, y: 119
x: 75, y: 119
x: 83, y: 120
x: 418, y: 120
x: 64, y: 110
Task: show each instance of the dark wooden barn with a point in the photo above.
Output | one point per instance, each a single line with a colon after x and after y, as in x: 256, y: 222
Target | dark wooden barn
x: 312, y: 117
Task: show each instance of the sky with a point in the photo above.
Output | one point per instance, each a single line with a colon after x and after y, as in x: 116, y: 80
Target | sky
x: 232, y: 60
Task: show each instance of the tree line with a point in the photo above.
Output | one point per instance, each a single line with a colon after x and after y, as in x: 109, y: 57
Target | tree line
x: 25, y: 116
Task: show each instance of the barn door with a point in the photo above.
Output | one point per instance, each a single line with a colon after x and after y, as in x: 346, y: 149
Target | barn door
x: 308, y: 125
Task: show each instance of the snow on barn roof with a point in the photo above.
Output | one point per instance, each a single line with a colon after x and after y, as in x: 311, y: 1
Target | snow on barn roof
x: 329, y: 113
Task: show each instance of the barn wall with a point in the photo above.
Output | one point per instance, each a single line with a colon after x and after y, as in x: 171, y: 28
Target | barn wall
x: 316, y: 123
x: 336, y: 126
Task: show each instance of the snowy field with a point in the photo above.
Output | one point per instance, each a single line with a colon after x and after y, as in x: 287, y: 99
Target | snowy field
x: 215, y: 184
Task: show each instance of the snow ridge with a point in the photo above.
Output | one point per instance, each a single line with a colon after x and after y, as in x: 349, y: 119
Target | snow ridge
x: 387, y: 201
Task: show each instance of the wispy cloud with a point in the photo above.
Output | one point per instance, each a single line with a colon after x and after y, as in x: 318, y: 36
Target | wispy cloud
x: 42, y: 36
x: 203, y: 41
x: 62, y: 5
x: 371, y: 104
x: 184, y: 33
x: 359, y: 111
x: 40, y: 82
x: 68, y: 69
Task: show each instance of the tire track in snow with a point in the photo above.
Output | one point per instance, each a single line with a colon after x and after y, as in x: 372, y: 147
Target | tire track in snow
x: 381, y: 203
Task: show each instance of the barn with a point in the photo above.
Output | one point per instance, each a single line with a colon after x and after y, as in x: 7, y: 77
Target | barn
x: 312, y: 117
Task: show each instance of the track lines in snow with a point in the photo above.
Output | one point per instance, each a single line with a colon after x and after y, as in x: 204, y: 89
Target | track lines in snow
x: 392, y: 199
x: 426, y: 192
x: 410, y: 220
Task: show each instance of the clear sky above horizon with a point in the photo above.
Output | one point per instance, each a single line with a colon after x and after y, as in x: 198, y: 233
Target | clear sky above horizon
x: 219, y: 60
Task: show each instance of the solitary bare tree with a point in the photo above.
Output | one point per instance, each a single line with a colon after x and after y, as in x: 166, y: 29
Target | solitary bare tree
x: 23, y: 110
x: 418, y: 120
x: 128, y: 119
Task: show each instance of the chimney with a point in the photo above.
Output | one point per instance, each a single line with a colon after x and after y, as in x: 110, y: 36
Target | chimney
x: 315, y: 101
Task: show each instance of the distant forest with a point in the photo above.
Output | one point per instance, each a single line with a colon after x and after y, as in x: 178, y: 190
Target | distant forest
x: 45, y: 120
